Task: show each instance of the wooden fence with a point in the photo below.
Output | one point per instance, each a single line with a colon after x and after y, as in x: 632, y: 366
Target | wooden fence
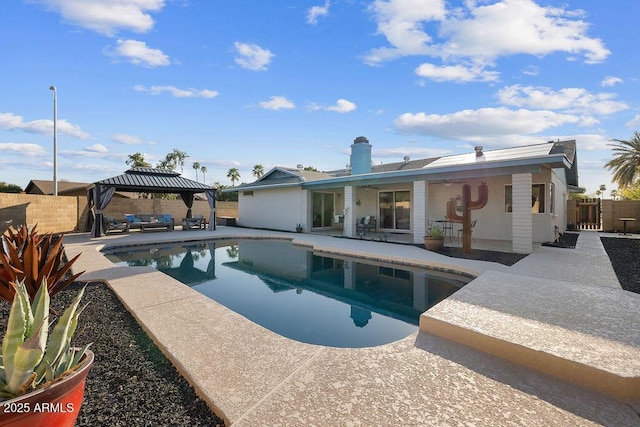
x: 603, y: 214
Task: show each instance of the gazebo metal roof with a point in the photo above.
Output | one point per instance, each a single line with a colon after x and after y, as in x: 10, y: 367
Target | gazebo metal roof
x: 151, y: 180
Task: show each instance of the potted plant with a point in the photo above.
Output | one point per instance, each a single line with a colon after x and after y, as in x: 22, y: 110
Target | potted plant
x: 434, y: 239
x: 42, y: 377
x: 298, y: 228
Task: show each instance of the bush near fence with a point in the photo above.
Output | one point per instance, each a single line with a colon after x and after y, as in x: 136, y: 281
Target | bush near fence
x: 64, y: 214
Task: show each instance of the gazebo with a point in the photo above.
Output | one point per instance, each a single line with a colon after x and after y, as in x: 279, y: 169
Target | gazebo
x: 146, y: 180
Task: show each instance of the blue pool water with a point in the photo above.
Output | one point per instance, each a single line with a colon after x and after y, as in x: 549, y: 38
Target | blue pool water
x: 307, y: 297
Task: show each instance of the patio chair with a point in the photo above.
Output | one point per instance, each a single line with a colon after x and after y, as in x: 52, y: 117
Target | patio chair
x: 366, y: 223
x: 110, y: 223
x: 473, y: 225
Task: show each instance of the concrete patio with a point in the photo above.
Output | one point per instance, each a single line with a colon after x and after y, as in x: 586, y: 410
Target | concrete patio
x: 552, y: 340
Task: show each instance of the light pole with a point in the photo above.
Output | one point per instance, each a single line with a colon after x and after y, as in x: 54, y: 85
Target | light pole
x: 55, y: 135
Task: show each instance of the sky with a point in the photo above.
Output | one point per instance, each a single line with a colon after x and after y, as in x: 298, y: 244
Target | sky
x: 281, y: 83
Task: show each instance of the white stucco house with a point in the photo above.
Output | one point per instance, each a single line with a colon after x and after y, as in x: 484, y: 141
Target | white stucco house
x: 528, y: 188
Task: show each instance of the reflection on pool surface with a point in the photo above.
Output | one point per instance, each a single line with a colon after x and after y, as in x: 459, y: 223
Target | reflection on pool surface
x: 307, y: 297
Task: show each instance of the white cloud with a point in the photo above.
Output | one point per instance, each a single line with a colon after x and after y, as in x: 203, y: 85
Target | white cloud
x: 253, y: 57
x: 123, y: 138
x: 97, y: 148
x: 488, y: 125
x: 401, y: 22
x: 633, y: 123
x: 611, y: 81
x: 176, y: 92
x: 107, y: 16
x: 479, y: 34
x: 25, y: 149
x: 317, y: 11
x: 10, y: 121
x: 512, y: 27
x: 277, y: 103
x: 342, y: 106
x: 138, y: 53
x: 573, y: 100
x: 456, y: 73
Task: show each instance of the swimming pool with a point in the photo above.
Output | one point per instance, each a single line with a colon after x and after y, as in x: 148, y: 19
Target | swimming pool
x: 302, y: 295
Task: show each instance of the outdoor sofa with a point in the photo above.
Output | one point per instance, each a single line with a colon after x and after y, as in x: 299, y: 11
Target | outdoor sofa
x: 149, y: 221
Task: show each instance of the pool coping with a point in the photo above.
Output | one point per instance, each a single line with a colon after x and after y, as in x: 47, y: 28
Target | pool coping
x: 250, y: 384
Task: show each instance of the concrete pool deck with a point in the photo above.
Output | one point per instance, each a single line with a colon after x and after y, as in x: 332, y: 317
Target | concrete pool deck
x: 563, y: 305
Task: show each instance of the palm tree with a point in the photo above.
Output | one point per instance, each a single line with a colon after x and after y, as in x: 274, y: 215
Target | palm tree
x: 233, y: 175
x: 601, y: 190
x: 203, y: 169
x: 196, y: 166
x: 626, y: 163
x: 258, y: 171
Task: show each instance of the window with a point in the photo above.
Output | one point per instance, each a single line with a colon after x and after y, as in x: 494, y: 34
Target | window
x: 552, y: 198
x: 395, y: 209
x: 537, y: 198
x: 247, y: 193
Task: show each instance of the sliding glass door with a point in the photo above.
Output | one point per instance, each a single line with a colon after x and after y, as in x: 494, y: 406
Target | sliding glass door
x: 323, y: 206
x: 395, y: 209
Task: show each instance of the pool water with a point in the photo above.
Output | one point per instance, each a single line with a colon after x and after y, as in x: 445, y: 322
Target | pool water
x: 301, y: 295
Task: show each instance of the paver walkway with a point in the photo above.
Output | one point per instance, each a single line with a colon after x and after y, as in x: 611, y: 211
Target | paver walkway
x: 253, y: 377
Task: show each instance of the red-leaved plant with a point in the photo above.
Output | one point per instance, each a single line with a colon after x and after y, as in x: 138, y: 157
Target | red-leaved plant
x: 29, y: 257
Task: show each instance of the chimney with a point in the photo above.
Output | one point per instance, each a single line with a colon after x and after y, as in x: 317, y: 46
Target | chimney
x: 478, y: 149
x: 360, y: 156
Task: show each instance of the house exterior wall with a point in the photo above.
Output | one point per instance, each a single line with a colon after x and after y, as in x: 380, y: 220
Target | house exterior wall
x: 493, y: 222
x: 277, y: 209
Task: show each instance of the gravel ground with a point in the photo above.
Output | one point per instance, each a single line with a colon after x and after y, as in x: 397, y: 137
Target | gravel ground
x: 131, y: 382
x: 625, y: 259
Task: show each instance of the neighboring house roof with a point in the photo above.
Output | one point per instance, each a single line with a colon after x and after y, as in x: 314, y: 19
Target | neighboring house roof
x: 560, y: 154
x: 37, y: 186
x: 151, y: 180
x: 67, y: 188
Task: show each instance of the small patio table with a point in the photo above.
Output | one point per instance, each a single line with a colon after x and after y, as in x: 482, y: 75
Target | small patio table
x: 624, y: 224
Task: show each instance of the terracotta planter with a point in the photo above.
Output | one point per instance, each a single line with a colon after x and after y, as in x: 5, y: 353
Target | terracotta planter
x: 433, y: 243
x: 57, y: 405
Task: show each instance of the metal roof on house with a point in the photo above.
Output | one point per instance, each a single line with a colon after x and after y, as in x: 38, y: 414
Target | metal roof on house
x: 151, y: 180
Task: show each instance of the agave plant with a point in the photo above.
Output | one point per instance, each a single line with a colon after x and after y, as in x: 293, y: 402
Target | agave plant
x: 31, y: 357
x: 31, y: 258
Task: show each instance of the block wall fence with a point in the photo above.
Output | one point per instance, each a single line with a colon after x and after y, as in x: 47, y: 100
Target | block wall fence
x: 64, y: 214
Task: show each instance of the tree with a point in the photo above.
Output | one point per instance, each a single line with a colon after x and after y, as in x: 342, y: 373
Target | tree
x: 614, y: 194
x: 601, y: 190
x: 225, y: 197
x: 630, y: 193
x: 233, y: 175
x: 9, y: 188
x: 196, y: 166
x: 136, y: 160
x: 203, y: 169
x: 626, y: 163
x: 258, y: 171
x: 173, y: 160
x: 311, y: 169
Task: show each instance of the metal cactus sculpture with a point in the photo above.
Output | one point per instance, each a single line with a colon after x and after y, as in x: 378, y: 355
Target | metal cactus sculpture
x: 468, y: 205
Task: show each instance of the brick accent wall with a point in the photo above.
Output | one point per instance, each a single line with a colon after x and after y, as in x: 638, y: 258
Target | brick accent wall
x: 51, y: 214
